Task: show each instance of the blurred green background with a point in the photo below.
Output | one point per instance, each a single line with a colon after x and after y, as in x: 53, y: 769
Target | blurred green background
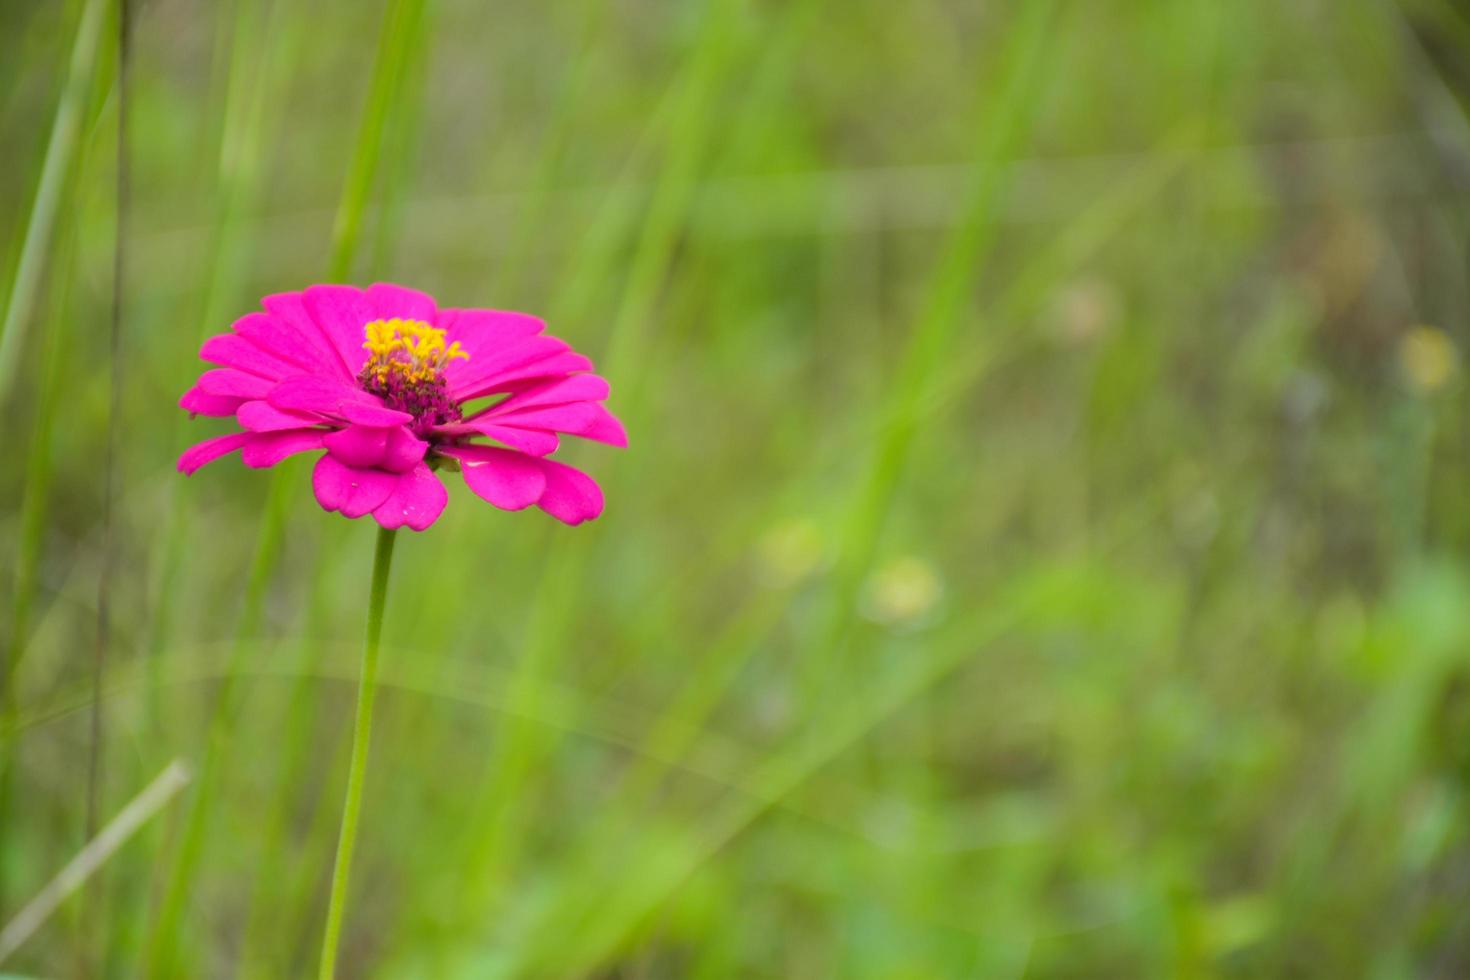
x: 1042, y: 550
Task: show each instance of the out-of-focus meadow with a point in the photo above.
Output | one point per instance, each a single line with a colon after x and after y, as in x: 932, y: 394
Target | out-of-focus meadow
x: 1042, y: 550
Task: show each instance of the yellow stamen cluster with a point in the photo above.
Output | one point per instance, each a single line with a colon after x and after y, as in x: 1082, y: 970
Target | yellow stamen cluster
x: 407, y: 351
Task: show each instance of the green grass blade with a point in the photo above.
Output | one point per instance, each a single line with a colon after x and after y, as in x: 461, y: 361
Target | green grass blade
x: 61, y: 148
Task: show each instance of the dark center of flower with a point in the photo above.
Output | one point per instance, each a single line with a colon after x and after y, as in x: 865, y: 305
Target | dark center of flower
x: 405, y: 368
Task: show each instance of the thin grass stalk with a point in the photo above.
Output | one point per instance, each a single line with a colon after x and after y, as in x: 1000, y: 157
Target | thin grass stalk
x: 103, y: 641
x: 671, y: 734
x: 246, y: 89
x: 405, y: 122
x: 401, y: 38
x: 573, y: 939
x: 668, y: 739
x: 691, y: 132
x: 302, y: 890
x: 624, y: 900
x: 65, y: 164
x: 119, y: 279
x: 268, y: 919
x: 114, y: 410
x: 90, y: 860
x: 35, y: 511
x: 563, y: 708
x: 239, y: 147
x: 61, y: 148
x: 504, y: 798
x: 397, y: 41
x: 688, y: 145
x: 246, y: 94
x: 398, y: 63
x: 510, y: 277
x: 166, y: 948
x: 40, y: 466
x: 765, y: 85
x: 34, y: 503
x: 362, y: 733
x: 954, y: 274
x: 1005, y: 123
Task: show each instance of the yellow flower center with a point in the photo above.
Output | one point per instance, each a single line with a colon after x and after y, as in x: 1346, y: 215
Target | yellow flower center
x: 406, y: 353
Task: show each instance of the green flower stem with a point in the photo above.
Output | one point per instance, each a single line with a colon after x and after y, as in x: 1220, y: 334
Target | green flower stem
x: 362, y: 734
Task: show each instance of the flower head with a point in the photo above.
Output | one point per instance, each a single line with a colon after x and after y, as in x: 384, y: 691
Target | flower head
x: 390, y: 388
x: 1428, y: 358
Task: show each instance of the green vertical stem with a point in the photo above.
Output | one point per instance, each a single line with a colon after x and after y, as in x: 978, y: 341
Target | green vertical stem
x: 35, y: 508
x: 390, y: 112
x: 101, y: 649
x: 249, y: 86
x: 405, y: 123
x: 396, y: 42
x: 267, y: 935
x: 65, y: 161
x: 362, y: 733
x: 60, y: 148
x: 165, y: 947
x: 560, y: 129
x: 114, y: 406
x: 59, y: 155
x: 237, y: 159
x: 1005, y: 125
x: 504, y: 799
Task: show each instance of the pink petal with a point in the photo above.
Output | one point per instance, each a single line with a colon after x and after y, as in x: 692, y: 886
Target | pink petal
x: 404, y: 451
x: 558, y: 418
x: 269, y: 448
x: 483, y: 371
x: 390, y: 302
x: 197, y: 402
x: 571, y: 496
x: 394, y: 449
x: 350, y: 490
x: 483, y: 332
x: 341, y: 312
x: 291, y: 329
x: 533, y: 442
x: 358, y: 445
x: 514, y: 379
x: 607, y: 429
x: 509, y: 480
x: 586, y: 419
x: 211, y: 449
x: 293, y: 338
x: 555, y: 391
x: 372, y: 412
x: 334, y: 398
x: 233, y: 351
x: 234, y: 384
x: 417, y: 500
x: 261, y: 416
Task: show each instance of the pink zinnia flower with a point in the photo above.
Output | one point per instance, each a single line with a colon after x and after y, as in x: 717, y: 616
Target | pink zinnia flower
x: 383, y: 381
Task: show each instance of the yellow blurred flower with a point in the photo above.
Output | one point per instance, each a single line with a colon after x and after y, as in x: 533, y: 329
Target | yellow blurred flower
x: 903, y: 593
x: 1428, y: 358
x: 789, y: 552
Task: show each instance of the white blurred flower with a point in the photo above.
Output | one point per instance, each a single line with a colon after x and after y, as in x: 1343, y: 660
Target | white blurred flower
x: 1085, y: 310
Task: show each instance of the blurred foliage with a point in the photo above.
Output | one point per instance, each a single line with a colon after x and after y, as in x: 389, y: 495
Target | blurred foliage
x: 1042, y: 551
